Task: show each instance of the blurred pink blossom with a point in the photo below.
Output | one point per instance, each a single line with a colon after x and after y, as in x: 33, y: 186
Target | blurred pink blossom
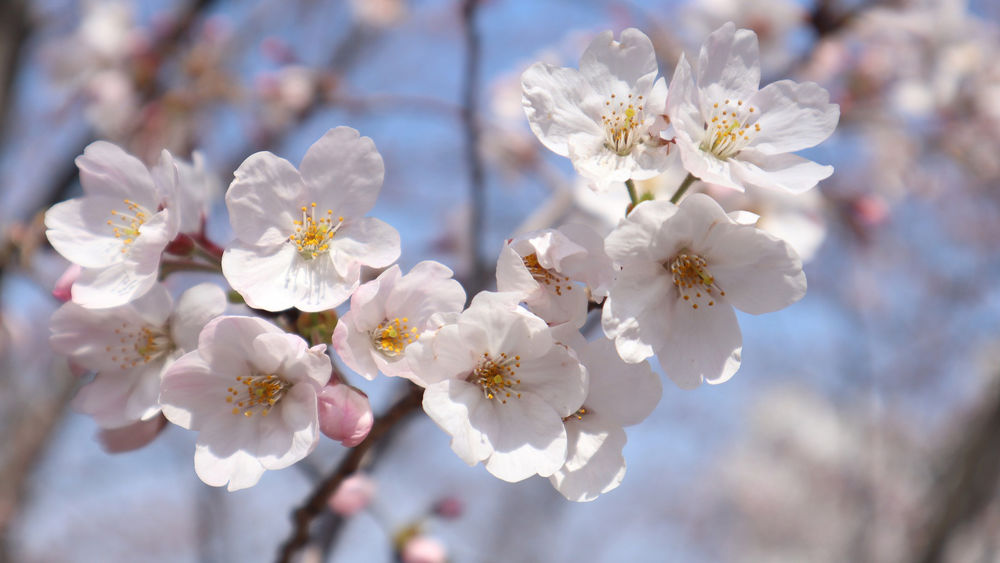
x: 132, y: 437
x: 424, y: 549
x: 353, y: 495
x: 62, y: 289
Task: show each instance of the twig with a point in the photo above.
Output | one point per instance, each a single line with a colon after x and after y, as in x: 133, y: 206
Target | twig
x: 477, y: 187
x: 317, y: 501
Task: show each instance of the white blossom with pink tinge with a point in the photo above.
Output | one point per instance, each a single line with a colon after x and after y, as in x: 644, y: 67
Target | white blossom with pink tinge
x: 500, y: 385
x: 620, y: 395
x: 544, y: 268
x: 250, y: 390
x: 732, y: 133
x: 683, y: 269
x: 607, y: 116
x: 391, y: 312
x: 118, y: 230
x: 130, y: 347
x: 302, y: 235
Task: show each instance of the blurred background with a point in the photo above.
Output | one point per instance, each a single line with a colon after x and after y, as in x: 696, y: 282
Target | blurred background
x: 864, y: 424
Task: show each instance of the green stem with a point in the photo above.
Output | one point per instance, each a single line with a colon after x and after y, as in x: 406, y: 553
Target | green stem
x: 682, y: 188
x: 208, y: 256
x: 631, y: 192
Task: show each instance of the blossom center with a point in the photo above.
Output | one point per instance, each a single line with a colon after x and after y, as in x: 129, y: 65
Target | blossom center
x: 391, y: 337
x: 256, y: 393
x: 139, y: 345
x: 544, y: 276
x: 312, y: 236
x: 621, y: 119
x: 693, y: 280
x: 125, y: 224
x: 730, y: 128
x: 496, y: 375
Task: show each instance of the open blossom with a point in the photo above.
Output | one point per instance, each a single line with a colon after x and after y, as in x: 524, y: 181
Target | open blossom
x: 302, y: 236
x: 730, y: 132
x: 683, y: 269
x: 390, y: 312
x: 117, y: 231
x: 500, y: 385
x: 607, y: 116
x: 250, y: 390
x: 545, y: 266
x: 130, y: 347
x: 620, y: 395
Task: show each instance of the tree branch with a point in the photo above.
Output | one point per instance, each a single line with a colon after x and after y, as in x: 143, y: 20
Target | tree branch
x: 477, y: 185
x: 317, y: 501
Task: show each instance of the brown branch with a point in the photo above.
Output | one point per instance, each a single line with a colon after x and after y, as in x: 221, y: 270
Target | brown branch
x: 477, y: 184
x: 317, y: 501
x: 967, y: 485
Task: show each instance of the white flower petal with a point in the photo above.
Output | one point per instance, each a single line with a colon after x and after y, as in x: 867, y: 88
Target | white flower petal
x: 264, y: 199
x: 702, y: 344
x: 460, y: 410
x: 728, y: 64
x: 793, y: 116
x: 559, y: 103
x: 106, y: 169
x: 368, y: 240
x: 594, y: 460
x: 759, y: 272
x: 779, y: 171
x: 195, y: 308
x: 345, y: 171
x: 528, y: 439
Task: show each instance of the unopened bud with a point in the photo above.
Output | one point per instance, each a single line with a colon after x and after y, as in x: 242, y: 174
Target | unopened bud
x: 132, y: 437
x: 344, y: 414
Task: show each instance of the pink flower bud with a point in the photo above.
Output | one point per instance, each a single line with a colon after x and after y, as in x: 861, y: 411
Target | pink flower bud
x: 64, y: 285
x: 448, y: 508
x: 132, y: 437
x: 344, y: 414
x: 424, y: 549
x: 353, y: 495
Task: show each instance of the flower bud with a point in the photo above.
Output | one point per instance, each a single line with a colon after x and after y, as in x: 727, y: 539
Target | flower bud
x: 64, y: 285
x: 353, y: 495
x: 448, y: 508
x: 344, y: 414
x: 132, y: 437
x: 424, y: 549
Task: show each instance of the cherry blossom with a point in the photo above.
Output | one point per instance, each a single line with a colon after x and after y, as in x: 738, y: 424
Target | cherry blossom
x: 130, y: 347
x: 734, y: 134
x: 250, y: 390
x: 683, y: 269
x: 544, y: 266
x: 607, y: 116
x: 500, y: 385
x: 302, y: 236
x: 117, y: 231
x: 390, y: 312
x: 620, y: 395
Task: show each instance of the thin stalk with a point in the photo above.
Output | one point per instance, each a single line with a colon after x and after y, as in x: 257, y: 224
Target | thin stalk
x: 682, y: 188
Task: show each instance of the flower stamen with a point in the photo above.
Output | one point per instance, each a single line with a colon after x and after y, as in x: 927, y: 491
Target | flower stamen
x: 620, y: 124
x: 545, y: 276
x: 496, y: 376
x: 730, y: 130
x: 126, y: 225
x: 390, y: 337
x: 256, y: 393
x: 693, y: 280
x: 312, y: 236
x: 139, y: 346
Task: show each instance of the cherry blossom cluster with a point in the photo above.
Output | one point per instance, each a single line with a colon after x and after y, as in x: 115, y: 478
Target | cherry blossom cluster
x: 512, y: 378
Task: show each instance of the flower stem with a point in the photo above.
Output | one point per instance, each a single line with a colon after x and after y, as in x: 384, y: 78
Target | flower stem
x: 682, y: 188
x: 631, y: 192
x: 168, y: 267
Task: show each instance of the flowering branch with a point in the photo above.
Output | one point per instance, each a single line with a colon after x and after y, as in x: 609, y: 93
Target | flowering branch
x: 317, y: 501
